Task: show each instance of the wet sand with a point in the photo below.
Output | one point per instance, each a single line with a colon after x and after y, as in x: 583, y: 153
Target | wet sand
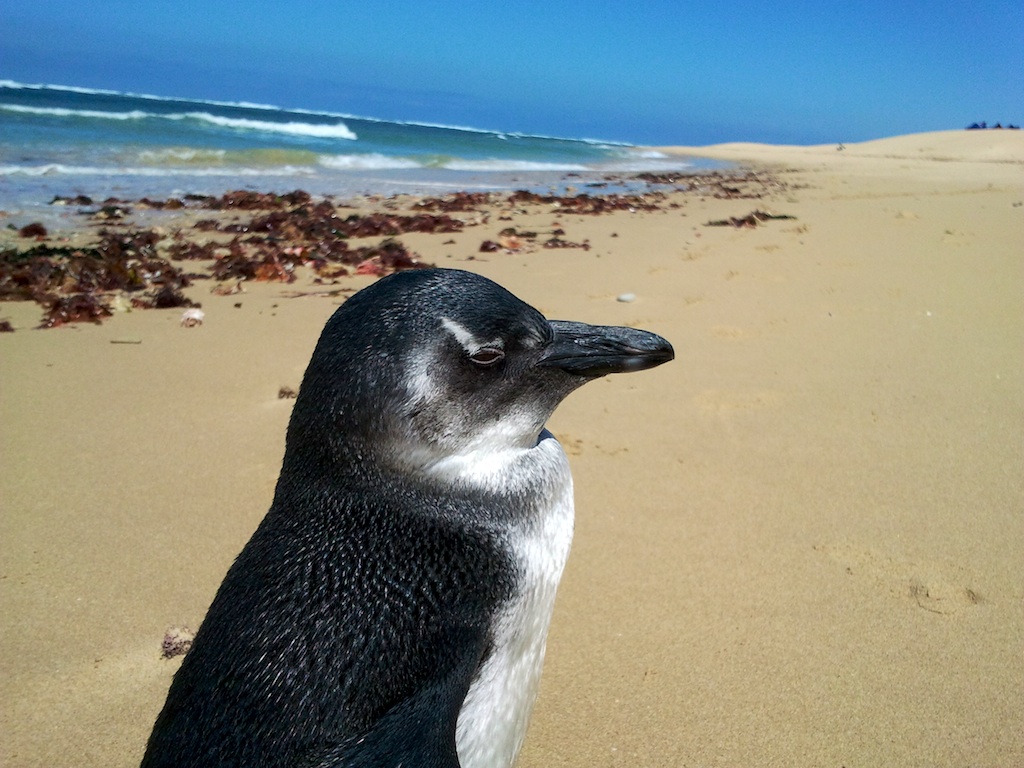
x: 801, y: 543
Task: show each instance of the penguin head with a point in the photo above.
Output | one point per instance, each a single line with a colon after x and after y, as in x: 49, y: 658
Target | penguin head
x: 428, y: 364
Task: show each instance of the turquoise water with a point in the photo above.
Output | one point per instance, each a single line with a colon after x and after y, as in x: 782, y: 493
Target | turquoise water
x: 57, y: 140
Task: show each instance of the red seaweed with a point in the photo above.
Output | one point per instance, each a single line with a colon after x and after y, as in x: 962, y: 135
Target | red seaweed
x: 458, y: 201
x: 77, y: 200
x: 76, y: 308
x: 35, y: 229
x: 166, y: 297
x: 557, y: 242
x: 284, y: 232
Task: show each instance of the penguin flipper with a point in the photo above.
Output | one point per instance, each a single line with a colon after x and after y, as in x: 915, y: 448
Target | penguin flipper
x: 417, y: 733
x: 382, y: 749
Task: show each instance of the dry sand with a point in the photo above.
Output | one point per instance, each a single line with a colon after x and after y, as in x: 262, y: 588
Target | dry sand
x: 800, y: 544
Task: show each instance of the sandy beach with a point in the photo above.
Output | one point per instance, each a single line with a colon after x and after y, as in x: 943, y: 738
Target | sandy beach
x: 799, y: 544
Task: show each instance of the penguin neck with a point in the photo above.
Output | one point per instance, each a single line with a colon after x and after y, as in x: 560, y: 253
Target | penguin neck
x: 507, y: 469
x: 510, y: 460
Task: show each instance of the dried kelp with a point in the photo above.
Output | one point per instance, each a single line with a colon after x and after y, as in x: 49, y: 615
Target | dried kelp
x: 752, y: 219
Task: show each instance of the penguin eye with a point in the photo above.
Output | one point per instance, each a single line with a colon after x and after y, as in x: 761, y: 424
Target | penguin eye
x: 487, y: 356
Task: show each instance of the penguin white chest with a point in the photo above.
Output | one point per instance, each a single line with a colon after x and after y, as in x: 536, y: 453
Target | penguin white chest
x: 494, y: 717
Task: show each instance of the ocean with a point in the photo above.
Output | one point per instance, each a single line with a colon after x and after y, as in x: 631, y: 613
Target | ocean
x: 66, y: 141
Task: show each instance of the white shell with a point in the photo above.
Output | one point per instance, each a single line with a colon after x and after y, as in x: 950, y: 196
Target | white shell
x: 192, y: 317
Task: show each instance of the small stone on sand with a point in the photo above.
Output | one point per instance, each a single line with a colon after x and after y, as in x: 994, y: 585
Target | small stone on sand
x: 177, y: 642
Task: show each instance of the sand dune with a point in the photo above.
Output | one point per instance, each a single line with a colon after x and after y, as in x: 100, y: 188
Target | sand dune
x: 996, y: 146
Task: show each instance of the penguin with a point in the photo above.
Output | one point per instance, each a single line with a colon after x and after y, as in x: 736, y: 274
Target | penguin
x: 392, y: 607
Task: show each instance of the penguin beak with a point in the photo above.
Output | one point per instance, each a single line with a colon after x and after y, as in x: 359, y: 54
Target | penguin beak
x: 597, y: 350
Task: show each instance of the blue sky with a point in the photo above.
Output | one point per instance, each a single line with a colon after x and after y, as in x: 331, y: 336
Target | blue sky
x: 645, y: 72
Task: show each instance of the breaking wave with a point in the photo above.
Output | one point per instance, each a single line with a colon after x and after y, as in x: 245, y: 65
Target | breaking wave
x: 336, y: 130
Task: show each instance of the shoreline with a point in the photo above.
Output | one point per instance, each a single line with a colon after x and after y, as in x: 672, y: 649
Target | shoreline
x: 803, y: 535
x: 29, y: 198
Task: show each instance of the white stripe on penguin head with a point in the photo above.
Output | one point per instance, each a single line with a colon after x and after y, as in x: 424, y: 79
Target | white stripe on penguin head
x: 469, y: 342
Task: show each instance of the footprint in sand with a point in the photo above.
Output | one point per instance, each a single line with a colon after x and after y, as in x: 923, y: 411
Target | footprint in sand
x: 955, y: 237
x: 728, y: 332
x: 938, y: 588
x: 940, y: 596
x: 574, y: 447
x: 726, y: 401
x: 571, y: 445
